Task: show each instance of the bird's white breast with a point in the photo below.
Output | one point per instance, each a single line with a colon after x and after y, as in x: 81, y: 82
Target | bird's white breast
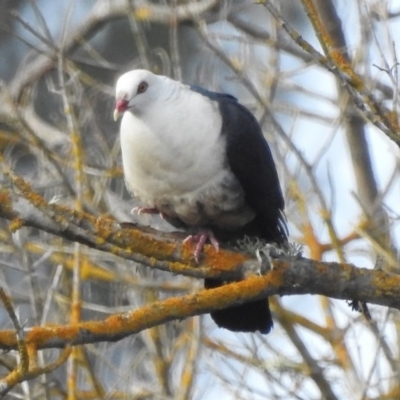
x: 174, y: 160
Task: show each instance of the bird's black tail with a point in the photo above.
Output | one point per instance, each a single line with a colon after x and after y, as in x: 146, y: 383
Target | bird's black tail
x: 255, y: 315
x: 247, y: 317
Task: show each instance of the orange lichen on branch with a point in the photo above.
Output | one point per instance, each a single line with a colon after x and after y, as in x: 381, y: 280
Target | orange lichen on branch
x: 6, y: 209
x: 335, y: 52
x: 385, y: 283
x: 329, y: 45
x: 121, y: 325
x: 285, y: 278
x: 393, y: 117
x: 26, y: 191
x: 206, y: 300
x: 75, y: 312
x: 32, y: 354
x: 217, y: 260
x: 133, y: 240
x: 17, y: 376
x: 40, y: 335
x: 16, y: 224
x: 8, y: 339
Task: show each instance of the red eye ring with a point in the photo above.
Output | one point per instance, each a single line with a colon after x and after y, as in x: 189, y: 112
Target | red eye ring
x: 142, y: 87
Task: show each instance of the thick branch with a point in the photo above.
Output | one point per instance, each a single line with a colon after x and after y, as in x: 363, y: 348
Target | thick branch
x: 289, y: 276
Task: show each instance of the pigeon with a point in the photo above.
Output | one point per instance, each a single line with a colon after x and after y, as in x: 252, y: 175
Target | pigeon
x: 199, y: 159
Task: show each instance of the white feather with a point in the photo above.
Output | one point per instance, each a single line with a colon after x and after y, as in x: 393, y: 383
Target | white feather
x: 174, y: 154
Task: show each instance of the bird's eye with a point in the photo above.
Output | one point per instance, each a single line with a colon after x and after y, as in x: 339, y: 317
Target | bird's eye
x: 142, y: 87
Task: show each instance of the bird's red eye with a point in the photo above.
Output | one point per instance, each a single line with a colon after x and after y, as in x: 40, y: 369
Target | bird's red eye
x: 142, y: 87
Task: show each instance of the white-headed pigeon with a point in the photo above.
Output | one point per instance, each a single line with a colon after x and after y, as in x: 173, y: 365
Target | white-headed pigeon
x: 199, y: 159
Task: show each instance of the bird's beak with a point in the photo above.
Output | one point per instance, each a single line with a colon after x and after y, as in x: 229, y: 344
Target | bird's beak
x: 120, y: 107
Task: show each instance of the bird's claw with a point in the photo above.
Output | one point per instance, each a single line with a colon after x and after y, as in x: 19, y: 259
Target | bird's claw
x: 144, y: 210
x: 200, y: 240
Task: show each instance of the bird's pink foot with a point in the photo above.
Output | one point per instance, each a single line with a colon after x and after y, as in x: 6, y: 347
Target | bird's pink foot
x: 200, y: 240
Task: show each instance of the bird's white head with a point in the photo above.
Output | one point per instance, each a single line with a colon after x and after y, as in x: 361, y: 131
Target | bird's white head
x: 137, y: 89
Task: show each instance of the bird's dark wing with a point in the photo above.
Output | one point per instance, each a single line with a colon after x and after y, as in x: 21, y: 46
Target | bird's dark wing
x: 250, y: 159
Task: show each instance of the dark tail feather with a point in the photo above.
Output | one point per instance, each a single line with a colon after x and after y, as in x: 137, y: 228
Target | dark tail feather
x: 248, y: 317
